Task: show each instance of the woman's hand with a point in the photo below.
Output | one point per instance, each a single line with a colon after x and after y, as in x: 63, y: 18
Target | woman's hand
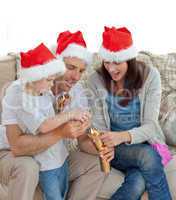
x: 107, y: 153
x: 112, y: 139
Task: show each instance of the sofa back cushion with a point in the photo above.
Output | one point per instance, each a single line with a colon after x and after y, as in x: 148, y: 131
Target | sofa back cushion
x: 7, y: 73
x: 166, y: 65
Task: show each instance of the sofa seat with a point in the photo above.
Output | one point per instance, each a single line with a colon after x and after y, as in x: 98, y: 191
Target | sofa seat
x: 112, y: 182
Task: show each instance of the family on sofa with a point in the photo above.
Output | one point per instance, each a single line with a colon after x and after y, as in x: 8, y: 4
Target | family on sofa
x: 122, y: 100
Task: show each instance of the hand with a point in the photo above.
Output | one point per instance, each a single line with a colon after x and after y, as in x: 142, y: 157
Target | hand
x: 107, y: 153
x: 79, y: 115
x: 73, y: 129
x: 112, y: 139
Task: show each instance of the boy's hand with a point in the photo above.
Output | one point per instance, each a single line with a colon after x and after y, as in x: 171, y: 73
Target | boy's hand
x: 74, y: 129
x: 80, y: 115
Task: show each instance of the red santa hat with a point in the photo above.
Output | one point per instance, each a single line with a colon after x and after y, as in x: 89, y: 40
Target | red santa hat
x: 39, y: 63
x: 72, y: 45
x: 117, y: 45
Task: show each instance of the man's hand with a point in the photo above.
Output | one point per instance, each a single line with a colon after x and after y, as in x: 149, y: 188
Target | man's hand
x: 73, y: 129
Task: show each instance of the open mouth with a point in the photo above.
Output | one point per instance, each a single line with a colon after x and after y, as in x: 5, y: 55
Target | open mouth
x: 116, y: 74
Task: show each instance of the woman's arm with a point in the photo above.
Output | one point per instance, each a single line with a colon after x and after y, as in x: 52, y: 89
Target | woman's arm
x: 150, y: 129
x: 112, y: 138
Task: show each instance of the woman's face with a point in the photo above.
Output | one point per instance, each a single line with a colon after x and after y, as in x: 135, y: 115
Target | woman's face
x: 116, y: 70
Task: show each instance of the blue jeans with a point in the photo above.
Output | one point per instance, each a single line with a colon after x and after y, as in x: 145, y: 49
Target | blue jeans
x: 143, y: 171
x: 54, y: 183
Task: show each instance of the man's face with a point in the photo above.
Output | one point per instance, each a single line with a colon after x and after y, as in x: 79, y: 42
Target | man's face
x: 75, y: 68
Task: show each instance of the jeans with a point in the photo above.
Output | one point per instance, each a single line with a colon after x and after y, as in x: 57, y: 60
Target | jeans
x: 143, y: 171
x: 54, y: 183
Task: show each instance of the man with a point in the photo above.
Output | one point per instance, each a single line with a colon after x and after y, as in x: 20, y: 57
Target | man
x: 85, y: 172
x: 20, y: 172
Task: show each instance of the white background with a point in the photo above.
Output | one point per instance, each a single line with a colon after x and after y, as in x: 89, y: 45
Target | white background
x: 24, y: 24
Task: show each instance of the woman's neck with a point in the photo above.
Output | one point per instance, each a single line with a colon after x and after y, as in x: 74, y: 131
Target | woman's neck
x: 118, y: 86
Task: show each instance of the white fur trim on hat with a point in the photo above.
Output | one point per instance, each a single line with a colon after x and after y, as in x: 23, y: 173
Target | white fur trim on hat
x: 74, y: 50
x: 39, y: 72
x: 119, y: 56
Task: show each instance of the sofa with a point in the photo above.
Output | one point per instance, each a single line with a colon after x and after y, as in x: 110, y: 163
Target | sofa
x: 166, y: 65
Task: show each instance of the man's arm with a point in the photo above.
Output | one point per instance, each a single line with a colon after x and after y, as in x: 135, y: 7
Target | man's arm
x: 28, y: 145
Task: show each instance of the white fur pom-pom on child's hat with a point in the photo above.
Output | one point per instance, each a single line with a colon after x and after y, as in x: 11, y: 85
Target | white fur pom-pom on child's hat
x: 117, y: 45
x: 39, y: 63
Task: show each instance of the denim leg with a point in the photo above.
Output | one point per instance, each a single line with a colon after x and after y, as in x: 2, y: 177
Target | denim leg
x: 132, y: 188
x: 148, y: 161
x: 50, y: 185
x: 63, y: 178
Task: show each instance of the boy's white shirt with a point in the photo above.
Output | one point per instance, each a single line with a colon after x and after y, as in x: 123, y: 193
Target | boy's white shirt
x: 14, y: 112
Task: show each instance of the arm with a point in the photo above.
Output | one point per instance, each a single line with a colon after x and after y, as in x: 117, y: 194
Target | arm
x: 39, y: 123
x: 150, y: 129
x: 27, y: 145
x: 112, y: 138
x: 54, y: 122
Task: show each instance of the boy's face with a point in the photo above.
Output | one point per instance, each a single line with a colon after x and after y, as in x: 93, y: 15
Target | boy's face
x: 44, y: 84
x: 75, y: 68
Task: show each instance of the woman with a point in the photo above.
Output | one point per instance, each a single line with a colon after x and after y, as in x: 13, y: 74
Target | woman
x: 129, y: 94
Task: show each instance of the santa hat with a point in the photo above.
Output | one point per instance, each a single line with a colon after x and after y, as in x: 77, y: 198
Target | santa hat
x: 117, y: 45
x: 39, y: 63
x: 72, y: 45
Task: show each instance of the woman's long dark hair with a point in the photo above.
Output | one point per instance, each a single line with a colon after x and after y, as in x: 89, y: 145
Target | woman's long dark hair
x: 134, y: 77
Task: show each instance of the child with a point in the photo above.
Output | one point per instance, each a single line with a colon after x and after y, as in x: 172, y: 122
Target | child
x: 30, y: 101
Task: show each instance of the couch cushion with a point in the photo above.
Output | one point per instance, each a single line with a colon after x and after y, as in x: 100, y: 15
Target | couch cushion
x: 7, y: 69
x: 168, y: 118
x: 166, y: 65
x: 7, y: 72
x: 3, y: 192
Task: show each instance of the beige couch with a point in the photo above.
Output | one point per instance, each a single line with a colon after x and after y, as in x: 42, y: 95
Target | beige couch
x: 115, y: 178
